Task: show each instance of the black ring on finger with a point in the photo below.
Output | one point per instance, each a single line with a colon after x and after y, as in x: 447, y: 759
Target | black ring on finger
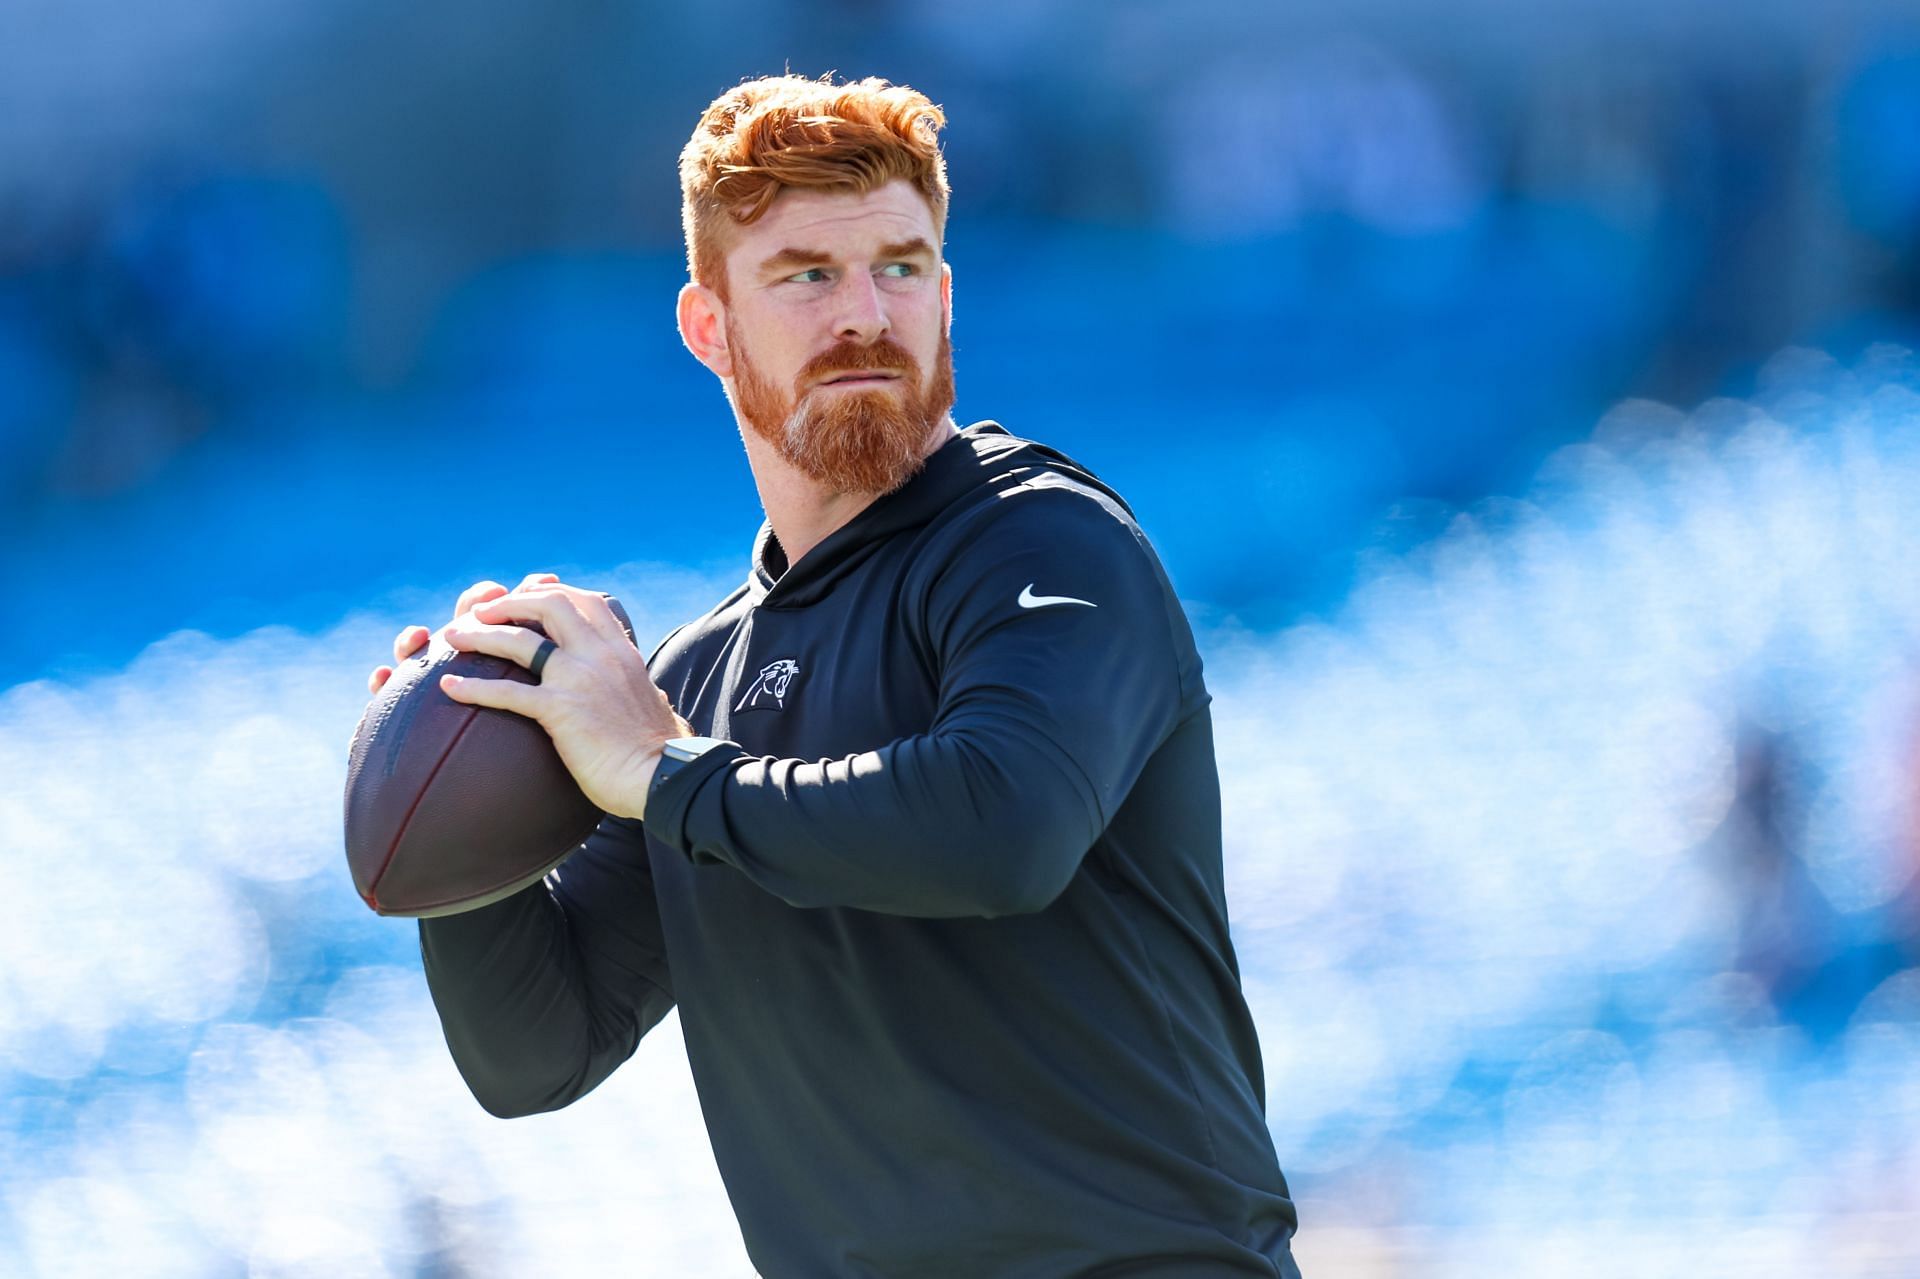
x: 540, y: 656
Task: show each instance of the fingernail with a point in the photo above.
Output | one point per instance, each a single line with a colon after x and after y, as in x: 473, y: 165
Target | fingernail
x: 449, y: 681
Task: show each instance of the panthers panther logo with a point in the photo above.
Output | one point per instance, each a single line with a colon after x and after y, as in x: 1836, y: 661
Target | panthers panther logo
x: 771, y: 688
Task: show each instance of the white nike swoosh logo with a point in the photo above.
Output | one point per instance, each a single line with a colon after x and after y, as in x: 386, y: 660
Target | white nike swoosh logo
x: 1029, y: 600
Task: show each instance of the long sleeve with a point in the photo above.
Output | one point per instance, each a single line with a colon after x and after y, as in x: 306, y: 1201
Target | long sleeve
x: 1052, y: 629
x: 542, y: 994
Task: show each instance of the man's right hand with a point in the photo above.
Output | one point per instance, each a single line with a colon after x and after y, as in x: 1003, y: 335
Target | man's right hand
x: 412, y: 639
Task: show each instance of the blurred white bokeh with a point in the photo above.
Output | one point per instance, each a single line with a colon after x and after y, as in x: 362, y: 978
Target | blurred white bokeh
x: 1570, y: 862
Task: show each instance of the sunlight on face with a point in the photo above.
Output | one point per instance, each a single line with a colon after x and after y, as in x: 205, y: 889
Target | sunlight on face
x: 838, y: 330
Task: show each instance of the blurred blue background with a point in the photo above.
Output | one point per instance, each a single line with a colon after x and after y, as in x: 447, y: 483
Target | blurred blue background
x: 1519, y: 398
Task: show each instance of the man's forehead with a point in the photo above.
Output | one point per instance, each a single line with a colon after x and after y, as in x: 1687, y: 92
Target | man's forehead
x: 828, y: 221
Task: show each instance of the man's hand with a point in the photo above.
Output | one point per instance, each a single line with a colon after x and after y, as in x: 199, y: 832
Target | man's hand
x: 595, y: 698
x: 412, y: 639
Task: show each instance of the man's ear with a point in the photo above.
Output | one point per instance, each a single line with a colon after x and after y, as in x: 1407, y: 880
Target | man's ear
x: 946, y: 294
x: 703, y: 327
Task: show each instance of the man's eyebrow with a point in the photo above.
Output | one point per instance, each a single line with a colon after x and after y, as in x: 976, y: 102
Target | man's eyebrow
x: 791, y: 259
x: 917, y: 246
x: 794, y: 260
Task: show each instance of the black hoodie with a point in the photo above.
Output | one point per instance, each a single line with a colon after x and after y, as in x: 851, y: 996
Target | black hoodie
x: 946, y: 928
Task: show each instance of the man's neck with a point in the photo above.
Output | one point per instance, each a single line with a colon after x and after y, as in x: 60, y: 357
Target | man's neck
x: 802, y: 511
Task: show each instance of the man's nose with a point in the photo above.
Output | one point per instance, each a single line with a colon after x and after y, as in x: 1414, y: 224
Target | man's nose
x: 862, y: 313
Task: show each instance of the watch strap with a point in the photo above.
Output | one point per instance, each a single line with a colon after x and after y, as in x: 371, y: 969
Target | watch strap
x: 684, y: 763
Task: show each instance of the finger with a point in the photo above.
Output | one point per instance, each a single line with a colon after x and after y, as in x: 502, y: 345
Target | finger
x: 515, y: 643
x: 409, y: 641
x: 594, y: 606
x: 554, y: 607
x: 535, y: 579
x: 476, y: 593
x: 503, y: 694
x: 381, y: 674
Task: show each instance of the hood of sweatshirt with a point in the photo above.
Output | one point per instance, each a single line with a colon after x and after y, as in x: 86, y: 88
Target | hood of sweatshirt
x: 984, y: 455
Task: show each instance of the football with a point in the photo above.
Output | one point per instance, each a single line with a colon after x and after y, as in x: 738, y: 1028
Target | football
x: 450, y: 807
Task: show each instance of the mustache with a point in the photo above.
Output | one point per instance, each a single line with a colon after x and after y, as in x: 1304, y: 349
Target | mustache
x: 883, y: 354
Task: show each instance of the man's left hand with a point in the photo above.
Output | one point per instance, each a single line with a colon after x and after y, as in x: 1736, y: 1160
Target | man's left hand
x: 607, y: 717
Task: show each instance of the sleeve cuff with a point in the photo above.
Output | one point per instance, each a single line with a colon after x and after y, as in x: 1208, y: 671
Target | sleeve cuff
x: 670, y: 801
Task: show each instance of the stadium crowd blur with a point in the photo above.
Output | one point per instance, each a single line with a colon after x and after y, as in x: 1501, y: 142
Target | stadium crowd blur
x: 1562, y: 610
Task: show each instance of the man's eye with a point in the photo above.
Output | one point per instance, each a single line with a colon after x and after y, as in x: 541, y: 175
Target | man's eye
x: 812, y: 275
x: 898, y: 270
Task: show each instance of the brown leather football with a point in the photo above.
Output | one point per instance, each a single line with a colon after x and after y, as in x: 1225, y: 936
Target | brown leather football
x: 450, y: 806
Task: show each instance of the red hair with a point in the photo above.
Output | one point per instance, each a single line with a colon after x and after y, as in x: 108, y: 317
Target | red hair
x: 787, y: 132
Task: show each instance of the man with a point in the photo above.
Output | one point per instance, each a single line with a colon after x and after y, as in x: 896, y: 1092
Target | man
x: 920, y: 826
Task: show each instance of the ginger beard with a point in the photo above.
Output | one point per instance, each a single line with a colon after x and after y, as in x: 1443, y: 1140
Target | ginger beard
x: 865, y: 440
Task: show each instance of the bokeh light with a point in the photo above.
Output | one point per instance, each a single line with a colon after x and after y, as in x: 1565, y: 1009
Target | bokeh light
x: 1520, y: 400
x: 1520, y: 842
